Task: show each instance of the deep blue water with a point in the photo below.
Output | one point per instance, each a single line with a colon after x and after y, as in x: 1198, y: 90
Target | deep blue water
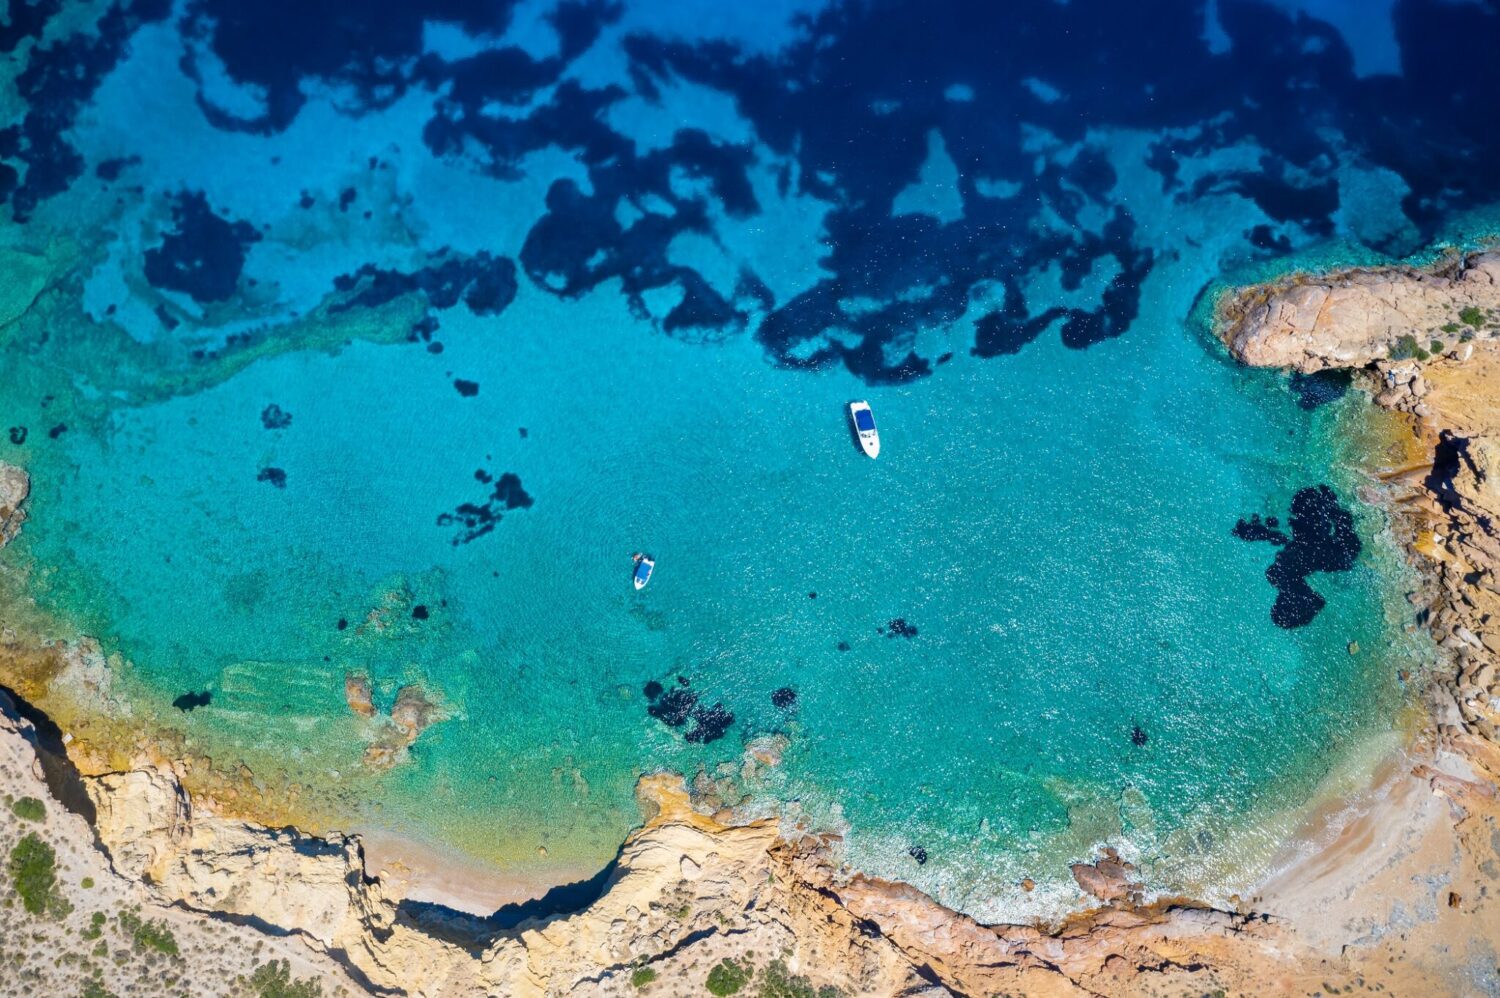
x: 341, y: 339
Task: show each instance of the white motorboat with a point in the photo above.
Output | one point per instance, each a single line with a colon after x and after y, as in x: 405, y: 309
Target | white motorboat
x: 864, y: 427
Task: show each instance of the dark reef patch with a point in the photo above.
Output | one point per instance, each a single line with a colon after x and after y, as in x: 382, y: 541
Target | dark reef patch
x: 709, y: 724
x: 109, y: 170
x: 674, y: 707
x: 478, y: 519
x: 276, y: 476
x: 18, y: 435
x: 420, y: 612
x: 1321, y: 538
x: 191, y: 701
x: 784, y: 698
x: 1138, y: 736
x: 487, y: 284
x: 899, y: 628
x: 678, y: 705
x: 204, y: 255
x: 1319, y: 388
x: 919, y: 854
x: 57, y: 81
x: 274, y: 417
x: 468, y: 389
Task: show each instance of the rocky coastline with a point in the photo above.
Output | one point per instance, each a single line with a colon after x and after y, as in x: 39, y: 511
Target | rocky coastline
x: 1394, y: 893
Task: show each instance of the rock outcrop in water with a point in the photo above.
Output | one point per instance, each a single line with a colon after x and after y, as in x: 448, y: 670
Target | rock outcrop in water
x: 15, y: 486
x: 1353, y: 318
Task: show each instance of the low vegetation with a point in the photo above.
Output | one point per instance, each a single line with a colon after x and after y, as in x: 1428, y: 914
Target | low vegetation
x: 274, y: 980
x: 33, y: 871
x: 151, y: 936
x: 1407, y: 348
x: 778, y: 982
x: 727, y: 978
x: 29, y: 809
x: 642, y: 977
x: 1472, y: 316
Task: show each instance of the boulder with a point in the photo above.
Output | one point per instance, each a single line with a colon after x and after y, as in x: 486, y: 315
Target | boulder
x: 1107, y: 878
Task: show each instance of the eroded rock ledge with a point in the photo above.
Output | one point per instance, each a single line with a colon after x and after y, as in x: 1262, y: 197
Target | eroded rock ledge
x: 686, y: 892
x: 1352, y: 318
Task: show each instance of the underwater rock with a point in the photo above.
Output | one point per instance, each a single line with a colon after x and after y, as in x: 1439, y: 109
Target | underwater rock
x: 1138, y: 736
x: 357, y: 694
x: 468, y: 389
x: 276, y: 476
x: 919, y: 854
x: 784, y: 698
x: 766, y: 750
x: 15, y: 486
x: 412, y: 712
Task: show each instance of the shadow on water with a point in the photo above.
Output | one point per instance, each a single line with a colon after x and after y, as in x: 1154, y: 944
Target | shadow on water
x: 59, y: 773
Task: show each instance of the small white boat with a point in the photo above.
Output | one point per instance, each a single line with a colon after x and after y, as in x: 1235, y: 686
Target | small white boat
x: 864, y: 427
x: 644, y: 565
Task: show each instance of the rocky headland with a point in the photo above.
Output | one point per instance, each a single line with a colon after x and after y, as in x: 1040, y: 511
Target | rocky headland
x: 1393, y: 893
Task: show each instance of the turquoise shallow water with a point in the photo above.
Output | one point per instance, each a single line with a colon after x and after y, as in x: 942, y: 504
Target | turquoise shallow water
x: 1091, y: 655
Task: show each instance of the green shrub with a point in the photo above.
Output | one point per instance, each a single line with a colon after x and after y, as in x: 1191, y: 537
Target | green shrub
x: 86, y: 883
x: 93, y: 989
x: 727, y: 977
x: 1451, y: 327
x: 29, y: 808
x: 778, y: 982
x: 1406, y: 348
x: 96, y: 926
x: 147, y: 935
x: 1471, y: 316
x: 642, y: 977
x: 33, y: 869
x: 274, y: 980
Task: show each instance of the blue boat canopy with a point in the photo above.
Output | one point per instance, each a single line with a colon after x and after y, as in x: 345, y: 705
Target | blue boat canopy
x: 864, y: 419
x: 642, y: 570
